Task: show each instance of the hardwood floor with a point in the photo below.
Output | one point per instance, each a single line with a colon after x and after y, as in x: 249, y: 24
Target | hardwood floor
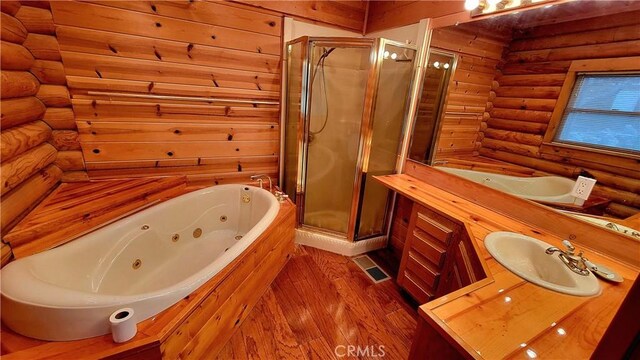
x: 319, y: 305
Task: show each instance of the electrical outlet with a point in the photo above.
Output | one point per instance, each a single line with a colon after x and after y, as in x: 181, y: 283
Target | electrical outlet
x: 582, y: 188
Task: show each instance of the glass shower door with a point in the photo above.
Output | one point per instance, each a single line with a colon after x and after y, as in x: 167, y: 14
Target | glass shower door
x: 338, y: 82
x: 392, y: 94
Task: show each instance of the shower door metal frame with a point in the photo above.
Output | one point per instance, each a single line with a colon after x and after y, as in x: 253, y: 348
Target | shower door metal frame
x: 301, y: 166
x: 367, y: 136
x: 376, y: 47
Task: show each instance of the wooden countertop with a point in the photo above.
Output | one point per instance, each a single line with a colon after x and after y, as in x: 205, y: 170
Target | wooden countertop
x: 505, y: 316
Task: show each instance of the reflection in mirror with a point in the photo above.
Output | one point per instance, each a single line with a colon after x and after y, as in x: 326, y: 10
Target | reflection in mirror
x: 515, y: 77
x: 438, y: 72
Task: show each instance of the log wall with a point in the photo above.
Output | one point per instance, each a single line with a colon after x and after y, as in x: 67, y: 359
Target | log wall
x: 32, y: 84
x: 479, y: 53
x: 202, y: 49
x: 528, y: 85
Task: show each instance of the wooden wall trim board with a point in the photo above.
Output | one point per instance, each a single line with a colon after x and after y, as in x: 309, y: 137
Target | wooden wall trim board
x: 82, y: 85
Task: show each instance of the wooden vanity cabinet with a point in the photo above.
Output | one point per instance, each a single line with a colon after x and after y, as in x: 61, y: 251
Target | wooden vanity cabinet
x: 438, y: 257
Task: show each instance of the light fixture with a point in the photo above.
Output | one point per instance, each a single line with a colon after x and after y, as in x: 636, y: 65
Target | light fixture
x: 394, y: 56
x: 471, y: 4
x: 386, y: 55
x: 561, y: 332
x: 485, y: 7
x: 436, y: 64
x: 446, y: 65
x: 531, y: 354
x: 507, y: 299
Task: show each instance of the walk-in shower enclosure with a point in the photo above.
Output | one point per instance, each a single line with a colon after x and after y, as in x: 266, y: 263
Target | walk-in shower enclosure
x: 346, y: 101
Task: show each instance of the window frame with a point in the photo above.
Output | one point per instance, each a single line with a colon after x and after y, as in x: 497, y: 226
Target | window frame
x: 595, y: 66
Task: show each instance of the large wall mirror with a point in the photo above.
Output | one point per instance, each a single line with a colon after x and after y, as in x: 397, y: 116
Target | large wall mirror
x: 527, y: 106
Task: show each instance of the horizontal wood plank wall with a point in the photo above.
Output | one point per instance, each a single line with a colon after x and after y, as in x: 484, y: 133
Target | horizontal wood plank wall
x: 529, y: 85
x: 479, y: 53
x: 176, y: 48
x: 32, y: 83
x: 390, y: 14
x: 349, y: 14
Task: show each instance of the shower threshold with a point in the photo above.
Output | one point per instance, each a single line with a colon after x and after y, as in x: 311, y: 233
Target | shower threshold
x: 339, y: 245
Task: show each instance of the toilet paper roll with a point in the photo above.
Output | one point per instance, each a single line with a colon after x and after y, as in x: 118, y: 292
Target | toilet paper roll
x: 123, y: 325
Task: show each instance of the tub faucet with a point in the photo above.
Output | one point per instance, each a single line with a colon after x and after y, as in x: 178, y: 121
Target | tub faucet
x: 576, y: 263
x: 439, y: 162
x: 259, y: 178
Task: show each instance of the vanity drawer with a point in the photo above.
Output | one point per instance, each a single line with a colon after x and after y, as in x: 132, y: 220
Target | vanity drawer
x: 435, y: 225
x: 423, y: 269
x: 428, y: 246
x: 418, y: 292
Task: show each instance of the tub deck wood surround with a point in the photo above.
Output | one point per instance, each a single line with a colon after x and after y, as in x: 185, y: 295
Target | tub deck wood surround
x: 276, y: 329
x: 494, y: 317
x: 195, y: 327
x: 74, y: 209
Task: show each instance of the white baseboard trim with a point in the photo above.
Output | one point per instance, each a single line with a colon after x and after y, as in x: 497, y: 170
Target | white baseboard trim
x: 338, y: 245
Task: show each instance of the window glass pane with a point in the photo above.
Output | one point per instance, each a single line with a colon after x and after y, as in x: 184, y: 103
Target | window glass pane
x: 603, y: 130
x: 603, y: 112
x: 597, y: 92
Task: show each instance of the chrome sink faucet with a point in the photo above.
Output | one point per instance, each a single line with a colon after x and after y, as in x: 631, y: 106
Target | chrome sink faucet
x: 259, y: 177
x: 576, y: 263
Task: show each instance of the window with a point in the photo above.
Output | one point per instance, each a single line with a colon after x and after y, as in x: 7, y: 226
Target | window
x: 603, y: 112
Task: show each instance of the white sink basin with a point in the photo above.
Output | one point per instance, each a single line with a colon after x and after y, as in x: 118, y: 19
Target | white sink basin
x: 526, y: 257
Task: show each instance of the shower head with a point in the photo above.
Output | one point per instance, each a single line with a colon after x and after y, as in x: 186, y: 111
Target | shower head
x: 326, y: 53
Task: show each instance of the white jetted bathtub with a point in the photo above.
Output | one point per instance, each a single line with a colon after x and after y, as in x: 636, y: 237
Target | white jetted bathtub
x: 553, y: 189
x: 147, y: 262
